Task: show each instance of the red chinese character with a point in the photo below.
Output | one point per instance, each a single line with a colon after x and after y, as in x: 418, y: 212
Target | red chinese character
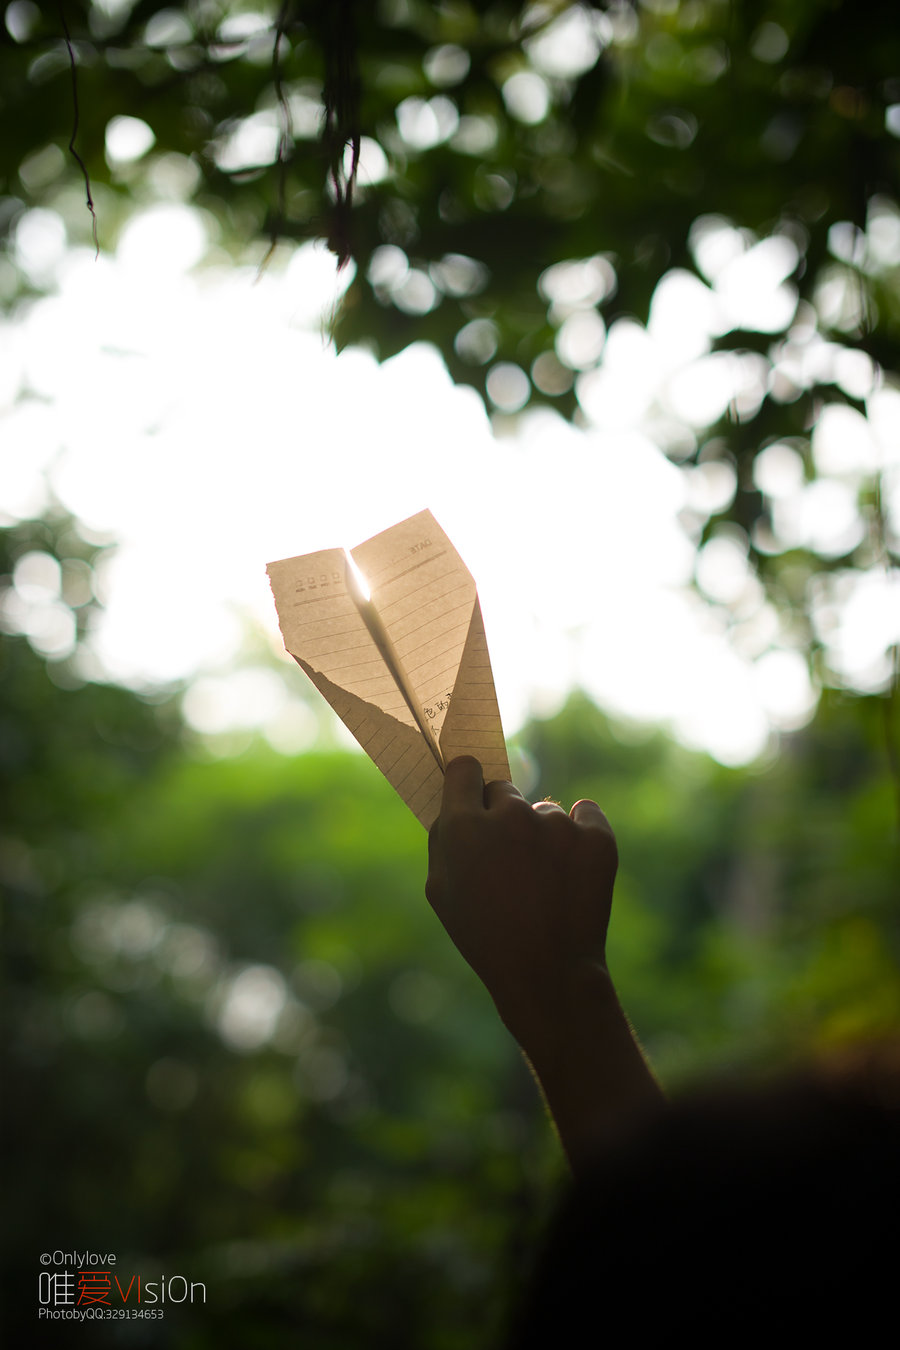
x: 93, y: 1286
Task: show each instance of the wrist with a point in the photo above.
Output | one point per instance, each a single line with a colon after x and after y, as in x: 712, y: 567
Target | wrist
x: 546, y: 1020
x: 590, y: 1067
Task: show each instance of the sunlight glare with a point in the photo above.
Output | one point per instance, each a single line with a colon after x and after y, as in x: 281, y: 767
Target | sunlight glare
x: 127, y: 139
x: 164, y: 238
x: 787, y: 693
x: 203, y: 421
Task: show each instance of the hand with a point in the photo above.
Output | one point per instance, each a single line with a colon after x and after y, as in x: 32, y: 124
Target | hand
x: 523, y: 891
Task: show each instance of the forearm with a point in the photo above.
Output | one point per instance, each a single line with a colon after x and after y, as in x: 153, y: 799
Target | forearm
x: 525, y: 893
x: 591, y: 1070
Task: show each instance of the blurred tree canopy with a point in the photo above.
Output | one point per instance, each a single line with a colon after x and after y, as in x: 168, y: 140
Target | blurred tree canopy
x: 240, y: 1048
x: 535, y: 181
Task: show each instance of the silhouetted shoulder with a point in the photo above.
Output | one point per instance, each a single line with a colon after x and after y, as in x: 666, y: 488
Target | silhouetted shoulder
x: 747, y: 1211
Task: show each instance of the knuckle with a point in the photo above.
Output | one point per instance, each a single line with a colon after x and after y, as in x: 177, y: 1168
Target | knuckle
x: 518, y: 818
x: 554, y: 822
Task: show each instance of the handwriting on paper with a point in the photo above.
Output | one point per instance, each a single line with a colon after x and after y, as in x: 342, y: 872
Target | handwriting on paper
x: 406, y: 668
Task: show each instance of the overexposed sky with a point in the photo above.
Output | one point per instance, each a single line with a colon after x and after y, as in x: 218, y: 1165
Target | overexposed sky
x: 200, y: 418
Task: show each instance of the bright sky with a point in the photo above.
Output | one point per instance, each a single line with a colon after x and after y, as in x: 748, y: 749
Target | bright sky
x: 202, y: 421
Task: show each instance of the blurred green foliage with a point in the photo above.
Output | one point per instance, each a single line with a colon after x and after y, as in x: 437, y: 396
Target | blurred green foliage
x: 240, y: 1048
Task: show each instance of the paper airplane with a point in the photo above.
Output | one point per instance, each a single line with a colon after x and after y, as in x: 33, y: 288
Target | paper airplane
x: 407, y: 670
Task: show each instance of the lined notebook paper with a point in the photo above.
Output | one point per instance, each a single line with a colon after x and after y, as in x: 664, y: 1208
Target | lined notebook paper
x: 407, y: 669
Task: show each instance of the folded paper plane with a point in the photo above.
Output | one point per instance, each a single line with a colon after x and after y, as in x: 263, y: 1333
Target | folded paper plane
x: 407, y: 669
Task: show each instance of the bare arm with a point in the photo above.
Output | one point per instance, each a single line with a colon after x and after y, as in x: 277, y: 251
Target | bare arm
x: 525, y: 894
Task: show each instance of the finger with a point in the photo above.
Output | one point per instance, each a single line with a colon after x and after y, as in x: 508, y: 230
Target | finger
x: 545, y: 807
x: 588, y: 814
x: 433, y: 843
x: 433, y: 879
x: 499, y: 792
x: 463, y: 785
